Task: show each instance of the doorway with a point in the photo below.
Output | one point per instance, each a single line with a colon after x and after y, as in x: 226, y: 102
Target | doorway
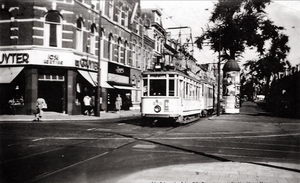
x: 53, y: 93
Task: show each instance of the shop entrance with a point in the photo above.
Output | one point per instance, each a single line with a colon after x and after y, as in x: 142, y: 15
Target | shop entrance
x: 126, y: 99
x: 53, y: 93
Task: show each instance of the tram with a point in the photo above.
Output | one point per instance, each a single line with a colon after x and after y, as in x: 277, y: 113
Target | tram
x: 174, y: 97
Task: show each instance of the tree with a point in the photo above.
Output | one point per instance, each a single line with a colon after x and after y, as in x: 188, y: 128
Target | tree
x: 240, y: 24
x: 237, y: 24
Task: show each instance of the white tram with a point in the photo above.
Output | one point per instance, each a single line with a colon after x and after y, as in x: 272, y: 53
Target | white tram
x: 172, y: 95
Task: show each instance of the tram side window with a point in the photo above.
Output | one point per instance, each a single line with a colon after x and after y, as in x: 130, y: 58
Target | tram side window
x: 158, y: 87
x: 145, y: 87
x: 171, y: 87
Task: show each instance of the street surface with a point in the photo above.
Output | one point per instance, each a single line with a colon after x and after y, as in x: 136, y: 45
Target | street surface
x: 119, y: 151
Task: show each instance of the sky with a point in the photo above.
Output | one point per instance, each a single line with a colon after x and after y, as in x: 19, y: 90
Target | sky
x: 195, y: 14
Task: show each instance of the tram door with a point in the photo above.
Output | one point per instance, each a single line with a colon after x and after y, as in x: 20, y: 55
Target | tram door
x: 52, y: 92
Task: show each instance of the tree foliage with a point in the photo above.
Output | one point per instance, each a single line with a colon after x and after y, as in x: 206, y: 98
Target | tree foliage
x: 239, y: 24
x: 236, y: 25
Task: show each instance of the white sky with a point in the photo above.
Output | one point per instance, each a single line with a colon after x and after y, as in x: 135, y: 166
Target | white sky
x: 195, y: 14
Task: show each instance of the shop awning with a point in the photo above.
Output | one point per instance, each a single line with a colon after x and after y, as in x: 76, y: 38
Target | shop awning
x: 7, y: 74
x: 92, y: 78
x: 87, y: 75
x: 124, y: 87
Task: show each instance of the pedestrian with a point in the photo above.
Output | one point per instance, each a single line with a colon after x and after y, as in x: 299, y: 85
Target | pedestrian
x: 92, y: 111
x: 39, y: 106
x: 11, y: 106
x: 118, y: 103
x: 87, y: 105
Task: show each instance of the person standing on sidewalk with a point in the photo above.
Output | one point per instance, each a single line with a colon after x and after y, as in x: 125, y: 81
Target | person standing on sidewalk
x: 39, y: 106
x: 87, y: 105
x: 118, y: 103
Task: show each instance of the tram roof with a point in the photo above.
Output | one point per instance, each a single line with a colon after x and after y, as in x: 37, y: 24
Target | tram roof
x: 175, y: 72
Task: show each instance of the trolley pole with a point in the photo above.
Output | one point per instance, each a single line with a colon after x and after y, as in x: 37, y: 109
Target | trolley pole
x: 98, y: 105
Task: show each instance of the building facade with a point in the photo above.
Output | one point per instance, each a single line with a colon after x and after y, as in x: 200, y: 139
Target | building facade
x: 50, y: 49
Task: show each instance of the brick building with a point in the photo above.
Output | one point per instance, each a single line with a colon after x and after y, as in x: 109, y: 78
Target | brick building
x: 50, y: 49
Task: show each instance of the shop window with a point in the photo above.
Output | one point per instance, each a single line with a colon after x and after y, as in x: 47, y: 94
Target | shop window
x: 53, y: 29
x: 78, y: 94
x: 17, y: 97
x: 48, y: 77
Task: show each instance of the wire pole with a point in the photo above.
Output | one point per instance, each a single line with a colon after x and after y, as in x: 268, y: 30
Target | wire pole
x: 219, y: 76
x: 98, y: 105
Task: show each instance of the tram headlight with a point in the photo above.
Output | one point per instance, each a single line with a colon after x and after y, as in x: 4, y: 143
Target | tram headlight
x: 157, y: 108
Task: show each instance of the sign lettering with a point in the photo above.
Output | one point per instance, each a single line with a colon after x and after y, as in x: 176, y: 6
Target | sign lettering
x: 14, y: 58
x: 85, y: 63
x: 53, y: 59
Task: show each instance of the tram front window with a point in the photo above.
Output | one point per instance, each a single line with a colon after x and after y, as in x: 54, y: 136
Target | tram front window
x: 158, y: 87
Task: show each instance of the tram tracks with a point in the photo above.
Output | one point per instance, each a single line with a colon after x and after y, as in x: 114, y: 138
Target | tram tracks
x: 134, y: 137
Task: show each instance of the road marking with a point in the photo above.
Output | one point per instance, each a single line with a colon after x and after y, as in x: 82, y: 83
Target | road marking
x: 98, y: 129
x: 38, y: 139
x: 144, y: 146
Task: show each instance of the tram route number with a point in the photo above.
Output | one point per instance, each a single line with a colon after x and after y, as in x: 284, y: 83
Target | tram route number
x: 157, y: 103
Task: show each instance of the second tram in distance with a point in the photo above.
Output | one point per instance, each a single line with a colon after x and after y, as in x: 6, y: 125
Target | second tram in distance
x: 175, y: 96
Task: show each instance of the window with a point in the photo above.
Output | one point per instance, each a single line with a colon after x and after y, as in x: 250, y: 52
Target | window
x: 134, y: 50
x: 93, y: 39
x: 137, y: 53
x: 109, y: 48
x: 5, y: 27
x: 145, y: 87
x: 158, y: 87
x: 53, y: 29
x: 125, y: 52
x: 119, y: 50
x: 79, y: 34
x: 171, y: 87
x: 111, y: 9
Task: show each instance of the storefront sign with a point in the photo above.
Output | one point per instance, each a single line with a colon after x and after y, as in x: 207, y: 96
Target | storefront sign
x: 53, y: 59
x: 85, y: 63
x: 37, y: 57
x: 118, y: 69
x: 14, y: 58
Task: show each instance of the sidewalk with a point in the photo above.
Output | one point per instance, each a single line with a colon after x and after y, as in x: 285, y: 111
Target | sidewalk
x: 55, y: 116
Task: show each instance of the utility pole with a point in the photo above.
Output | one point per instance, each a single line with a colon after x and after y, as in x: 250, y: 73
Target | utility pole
x: 219, y: 76
x: 98, y: 105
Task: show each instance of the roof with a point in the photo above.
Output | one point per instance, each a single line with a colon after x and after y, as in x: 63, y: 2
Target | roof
x: 231, y: 65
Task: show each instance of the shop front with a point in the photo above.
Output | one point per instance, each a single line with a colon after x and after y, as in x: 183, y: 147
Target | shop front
x: 61, y: 78
x: 119, y: 78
